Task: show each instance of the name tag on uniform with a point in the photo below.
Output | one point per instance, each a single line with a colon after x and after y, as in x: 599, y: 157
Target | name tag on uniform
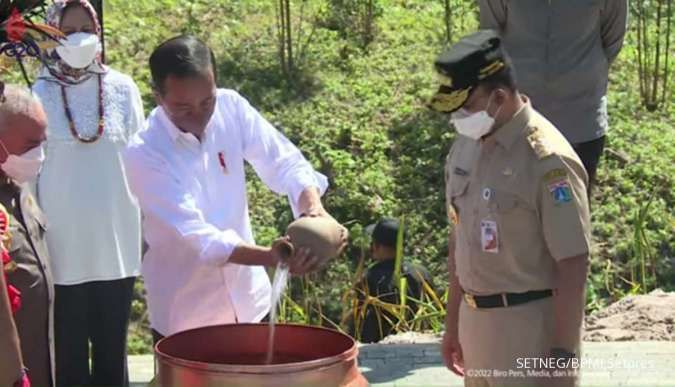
x: 489, y: 236
x: 461, y: 172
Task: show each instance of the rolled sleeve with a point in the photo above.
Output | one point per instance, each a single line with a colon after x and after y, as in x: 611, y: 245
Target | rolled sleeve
x: 220, y: 247
x: 564, y: 208
x: 171, y: 214
x: 301, y: 181
x: 278, y: 163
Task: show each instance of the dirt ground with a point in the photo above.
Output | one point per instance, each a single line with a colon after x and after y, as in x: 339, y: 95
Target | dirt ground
x: 648, y: 317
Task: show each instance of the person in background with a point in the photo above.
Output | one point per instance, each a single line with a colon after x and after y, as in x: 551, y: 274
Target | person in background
x: 22, y: 227
x: 379, y: 282
x: 561, y: 52
x: 202, y: 266
x: 94, y: 235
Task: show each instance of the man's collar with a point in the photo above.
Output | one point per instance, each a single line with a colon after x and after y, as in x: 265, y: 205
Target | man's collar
x: 171, y: 128
x: 508, y: 133
x: 174, y: 132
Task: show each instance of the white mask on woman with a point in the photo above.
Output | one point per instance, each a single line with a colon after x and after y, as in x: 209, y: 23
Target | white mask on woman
x: 25, y: 167
x: 474, y: 125
x: 78, y: 50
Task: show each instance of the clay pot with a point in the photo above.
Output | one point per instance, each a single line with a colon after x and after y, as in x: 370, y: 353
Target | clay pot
x: 322, y: 235
x: 234, y: 355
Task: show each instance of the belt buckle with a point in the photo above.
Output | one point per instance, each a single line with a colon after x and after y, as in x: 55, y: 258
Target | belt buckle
x: 470, y: 300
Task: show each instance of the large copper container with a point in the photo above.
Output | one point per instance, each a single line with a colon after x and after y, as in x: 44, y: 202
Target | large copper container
x: 234, y: 355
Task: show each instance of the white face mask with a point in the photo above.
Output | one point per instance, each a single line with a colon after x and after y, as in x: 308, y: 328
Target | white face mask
x: 78, y: 50
x: 25, y: 167
x: 473, y: 125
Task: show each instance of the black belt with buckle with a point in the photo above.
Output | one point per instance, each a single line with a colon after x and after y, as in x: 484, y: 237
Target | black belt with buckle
x: 505, y: 299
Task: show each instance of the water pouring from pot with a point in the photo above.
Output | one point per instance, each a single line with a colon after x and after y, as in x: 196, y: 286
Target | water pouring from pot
x: 273, y: 354
x: 321, y: 239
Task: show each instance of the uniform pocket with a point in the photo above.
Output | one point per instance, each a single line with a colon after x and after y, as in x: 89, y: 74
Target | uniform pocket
x: 457, y: 194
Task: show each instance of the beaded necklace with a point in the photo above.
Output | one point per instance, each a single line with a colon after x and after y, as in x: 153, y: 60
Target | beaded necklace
x: 101, y: 120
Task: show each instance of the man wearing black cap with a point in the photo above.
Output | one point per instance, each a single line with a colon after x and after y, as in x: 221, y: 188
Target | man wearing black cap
x: 379, y: 281
x: 520, y: 234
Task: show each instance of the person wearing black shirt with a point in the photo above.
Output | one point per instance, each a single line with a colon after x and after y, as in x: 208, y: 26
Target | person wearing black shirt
x: 379, y: 282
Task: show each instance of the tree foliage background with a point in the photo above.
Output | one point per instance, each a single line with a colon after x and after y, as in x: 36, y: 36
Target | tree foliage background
x: 353, y: 99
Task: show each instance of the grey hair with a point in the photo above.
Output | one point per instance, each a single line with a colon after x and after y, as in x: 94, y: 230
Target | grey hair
x: 17, y: 101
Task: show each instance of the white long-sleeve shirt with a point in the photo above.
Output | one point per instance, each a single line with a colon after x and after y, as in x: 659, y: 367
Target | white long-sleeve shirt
x: 195, y: 212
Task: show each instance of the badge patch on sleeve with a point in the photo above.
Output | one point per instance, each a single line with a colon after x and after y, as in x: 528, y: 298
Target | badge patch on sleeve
x: 561, y: 191
x: 555, y: 175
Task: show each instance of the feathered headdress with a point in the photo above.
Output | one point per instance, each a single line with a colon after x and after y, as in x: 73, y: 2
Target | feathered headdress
x: 20, y: 37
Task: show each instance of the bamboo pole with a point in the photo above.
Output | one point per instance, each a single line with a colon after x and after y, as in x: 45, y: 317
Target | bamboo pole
x: 666, y: 71
x: 657, y: 58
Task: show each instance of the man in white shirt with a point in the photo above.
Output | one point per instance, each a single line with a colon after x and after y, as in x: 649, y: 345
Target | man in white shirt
x: 186, y: 168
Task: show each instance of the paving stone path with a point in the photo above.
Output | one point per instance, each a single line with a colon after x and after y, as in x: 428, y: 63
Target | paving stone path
x: 615, y: 364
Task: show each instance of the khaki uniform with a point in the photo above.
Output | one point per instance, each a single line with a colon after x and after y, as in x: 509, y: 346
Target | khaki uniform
x: 32, y: 277
x: 518, y: 204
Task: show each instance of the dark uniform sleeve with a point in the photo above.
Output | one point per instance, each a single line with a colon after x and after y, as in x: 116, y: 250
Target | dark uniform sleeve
x: 10, y: 354
x: 563, y: 206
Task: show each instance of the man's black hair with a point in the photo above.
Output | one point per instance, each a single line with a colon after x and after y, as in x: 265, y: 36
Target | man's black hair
x: 183, y: 56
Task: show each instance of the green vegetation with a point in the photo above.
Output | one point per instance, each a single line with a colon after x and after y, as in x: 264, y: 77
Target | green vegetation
x: 355, y: 104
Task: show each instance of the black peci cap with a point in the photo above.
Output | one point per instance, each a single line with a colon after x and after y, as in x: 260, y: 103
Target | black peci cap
x: 472, y: 59
x: 385, y: 231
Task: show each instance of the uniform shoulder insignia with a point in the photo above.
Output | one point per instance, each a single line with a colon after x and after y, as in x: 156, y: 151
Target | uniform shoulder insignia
x: 539, y: 144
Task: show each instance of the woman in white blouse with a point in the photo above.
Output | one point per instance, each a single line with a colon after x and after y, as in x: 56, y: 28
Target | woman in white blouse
x: 93, y: 221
